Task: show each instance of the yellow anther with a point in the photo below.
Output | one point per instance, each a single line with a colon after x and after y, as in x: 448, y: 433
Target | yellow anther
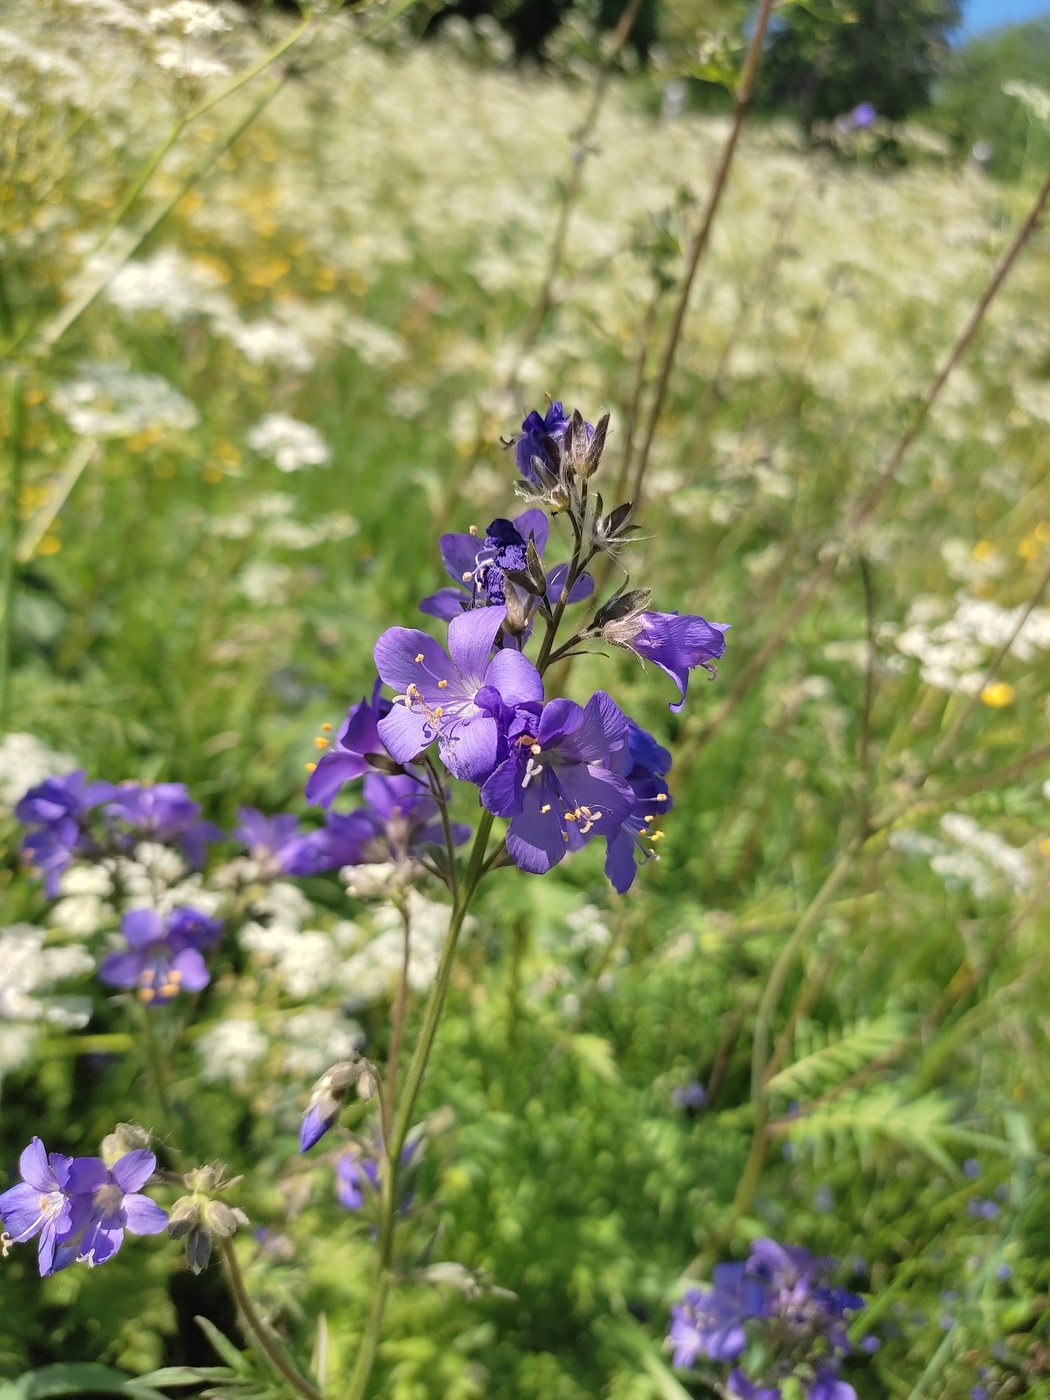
x: 473, y: 530
x: 419, y: 657
x: 146, y: 975
x: 565, y: 837
x: 146, y: 994
x: 535, y: 748
x: 656, y: 835
x: 327, y: 728
x: 174, y: 975
x: 321, y: 743
x: 651, y: 817
x: 571, y: 816
x: 466, y: 576
x: 661, y: 797
x: 546, y: 807
x: 310, y: 767
x: 442, y: 685
x: 438, y: 712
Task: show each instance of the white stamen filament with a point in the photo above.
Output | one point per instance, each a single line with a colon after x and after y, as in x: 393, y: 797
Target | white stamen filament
x: 532, y: 770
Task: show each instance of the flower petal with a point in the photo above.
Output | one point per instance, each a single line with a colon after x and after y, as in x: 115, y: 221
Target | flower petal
x: 395, y: 656
x: 86, y: 1174
x: 35, y: 1168
x: 533, y: 522
x: 122, y: 969
x: 471, y: 752
x: 144, y: 1217
x: 142, y: 927
x: 194, y: 970
x: 134, y: 1169
x: 406, y: 733
x: 470, y: 639
x: 445, y: 604
x: 21, y: 1212
x: 515, y: 677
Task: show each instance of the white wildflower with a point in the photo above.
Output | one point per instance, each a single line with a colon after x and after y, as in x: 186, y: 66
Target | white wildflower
x: 25, y: 761
x: 265, y: 585
x: 189, y: 17
x: 86, y: 879
x: 230, y: 1049
x: 175, y: 57
x: 109, y: 401
x: 289, y: 443
x: 303, y: 962
x: 317, y: 1038
x: 81, y: 915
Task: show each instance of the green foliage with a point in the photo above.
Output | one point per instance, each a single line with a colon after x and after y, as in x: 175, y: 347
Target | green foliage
x: 817, y: 1069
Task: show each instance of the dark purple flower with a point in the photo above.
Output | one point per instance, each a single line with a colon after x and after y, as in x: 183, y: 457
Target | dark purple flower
x: 57, y: 811
x: 531, y: 446
x: 356, y: 745
x: 271, y: 841
x: 339, y: 842
x: 828, y: 1386
x: 313, y: 1127
x: 643, y: 763
x: 863, y: 114
x: 798, y: 1293
x: 42, y: 1204
x: 740, y: 1385
x: 712, y: 1322
x: 554, y: 784
x: 676, y: 644
x: 163, y: 956
x: 357, y: 1174
x: 456, y: 701
x: 163, y: 812
x: 114, y: 1204
x: 478, y: 566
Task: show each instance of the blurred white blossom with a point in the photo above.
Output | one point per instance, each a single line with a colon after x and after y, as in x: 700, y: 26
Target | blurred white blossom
x: 289, y: 443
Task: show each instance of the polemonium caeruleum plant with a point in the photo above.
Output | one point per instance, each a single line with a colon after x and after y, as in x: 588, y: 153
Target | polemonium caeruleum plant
x: 473, y: 708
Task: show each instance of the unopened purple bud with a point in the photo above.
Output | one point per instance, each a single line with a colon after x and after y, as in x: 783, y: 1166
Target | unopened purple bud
x: 314, y: 1126
x: 972, y: 1168
x: 870, y: 1344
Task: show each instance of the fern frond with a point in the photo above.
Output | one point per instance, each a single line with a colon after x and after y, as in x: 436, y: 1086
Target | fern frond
x: 859, y: 1120
x: 830, y: 1064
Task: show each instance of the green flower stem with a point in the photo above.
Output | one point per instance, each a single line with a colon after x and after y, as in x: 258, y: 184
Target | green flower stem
x: 406, y: 1107
x: 15, y: 443
x: 259, y: 1333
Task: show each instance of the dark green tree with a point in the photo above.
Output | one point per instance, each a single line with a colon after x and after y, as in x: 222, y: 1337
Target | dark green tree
x: 826, y: 57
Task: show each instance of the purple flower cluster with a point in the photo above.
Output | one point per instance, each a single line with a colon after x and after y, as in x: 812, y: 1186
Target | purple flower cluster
x: 78, y: 1206
x: 783, y: 1291
x: 163, y: 955
x: 69, y: 817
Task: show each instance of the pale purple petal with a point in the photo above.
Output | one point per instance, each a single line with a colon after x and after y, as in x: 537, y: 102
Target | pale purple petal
x: 122, y: 969
x: 581, y: 589
x: 472, y: 751
x: 470, y: 639
x: 445, y: 604
x: 143, y: 1216
x: 536, y: 838
x: 332, y: 771
x: 534, y: 522
x: 502, y: 794
x: 601, y: 731
x: 141, y: 927
x: 191, y: 965
x: 134, y: 1169
x: 396, y: 654
x: 515, y: 677
x: 620, y: 865
x: 35, y: 1168
x: 86, y: 1175
x: 459, y: 555
x: 20, y: 1211
x: 405, y: 733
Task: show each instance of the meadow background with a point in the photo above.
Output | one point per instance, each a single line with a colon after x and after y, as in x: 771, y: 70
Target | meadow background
x: 234, y: 466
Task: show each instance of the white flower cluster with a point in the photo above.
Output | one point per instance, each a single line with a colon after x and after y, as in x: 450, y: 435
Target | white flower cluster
x: 289, y: 443
x: 108, y: 401
x: 952, y: 653
x: 972, y: 857
x: 27, y: 969
x: 26, y: 761
x: 266, y: 517
x: 373, y: 972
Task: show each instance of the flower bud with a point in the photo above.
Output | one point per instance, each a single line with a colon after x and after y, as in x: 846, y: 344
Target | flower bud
x: 125, y: 1137
x: 327, y: 1098
x: 198, y: 1249
x: 183, y: 1216
x: 223, y: 1220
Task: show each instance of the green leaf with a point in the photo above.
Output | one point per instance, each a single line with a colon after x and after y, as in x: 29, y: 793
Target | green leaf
x: 185, y: 1375
x: 860, y: 1119
x: 828, y: 1065
x: 70, y: 1378
x: 224, y: 1346
x: 595, y: 1054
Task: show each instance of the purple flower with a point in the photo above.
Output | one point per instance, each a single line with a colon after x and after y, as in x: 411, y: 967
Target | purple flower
x: 339, y: 842
x: 163, y: 956
x: 356, y: 746
x: 747, y: 1390
x: 676, y: 644
x: 478, y: 567
x: 691, y: 1096
x: 404, y: 817
x: 972, y: 1168
x: 57, y: 811
x: 554, y: 784
x: 456, y: 701
x: 163, y: 812
x: 828, y: 1386
x: 713, y: 1322
x: 863, y: 114
x: 531, y: 447
x: 870, y: 1344
x: 42, y: 1204
x: 643, y: 762
x: 114, y: 1204
x: 357, y: 1174
x: 798, y: 1293
x: 271, y: 841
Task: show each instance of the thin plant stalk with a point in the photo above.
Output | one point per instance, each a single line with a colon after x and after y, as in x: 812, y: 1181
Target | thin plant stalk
x: 742, y: 101
x: 783, y: 629
x: 15, y: 445
x: 571, y: 191
x: 256, y: 1328
x: 398, y: 1029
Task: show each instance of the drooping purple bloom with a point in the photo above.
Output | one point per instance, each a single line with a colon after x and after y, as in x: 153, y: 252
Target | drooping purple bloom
x: 454, y: 697
x: 827, y: 1385
x: 712, y: 1322
x: 357, y: 1174
x: 676, y: 644
x: 478, y: 566
x: 115, y: 1203
x: 341, y: 841
x: 163, y: 956
x: 739, y: 1385
x: 271, y: 841
x: 57, y: 812
x: 356, y: 745
x: 643, y: 763
x: 404, y: 816
x: 531, y: 446
x: 554, y: 784
x: 163, y: 812
x: 42, y: 1204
